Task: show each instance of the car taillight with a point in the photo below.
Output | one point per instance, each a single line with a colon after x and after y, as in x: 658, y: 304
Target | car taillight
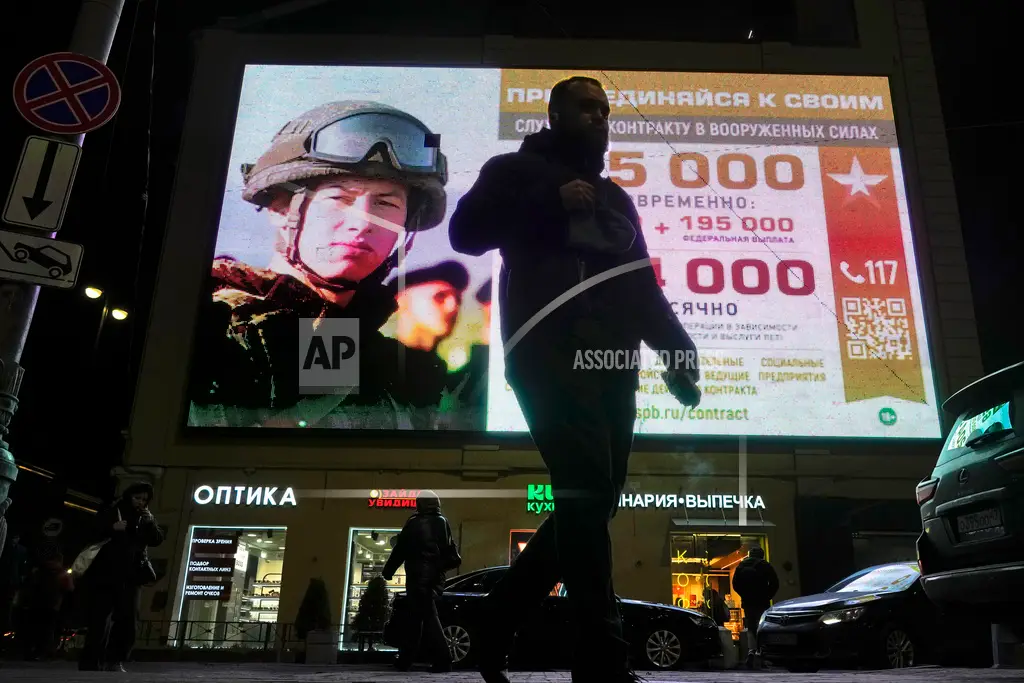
x: 1013, y: 462
x: 926, y: 490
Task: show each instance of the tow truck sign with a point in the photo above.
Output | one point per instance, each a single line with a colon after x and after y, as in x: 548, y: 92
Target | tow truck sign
x: 39, y: 260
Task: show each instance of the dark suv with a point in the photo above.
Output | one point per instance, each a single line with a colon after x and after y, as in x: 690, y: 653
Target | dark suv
x: 971, y: 551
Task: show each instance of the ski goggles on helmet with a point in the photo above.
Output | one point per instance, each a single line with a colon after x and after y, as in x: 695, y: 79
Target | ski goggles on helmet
x: 356, y: 138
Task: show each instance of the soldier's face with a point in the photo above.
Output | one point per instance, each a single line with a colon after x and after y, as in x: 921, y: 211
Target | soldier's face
x: 433, y: 305
x: 351, y: 225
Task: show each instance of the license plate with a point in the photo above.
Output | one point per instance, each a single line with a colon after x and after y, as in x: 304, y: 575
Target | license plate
x: 780, y: 638
x: 987, y: 521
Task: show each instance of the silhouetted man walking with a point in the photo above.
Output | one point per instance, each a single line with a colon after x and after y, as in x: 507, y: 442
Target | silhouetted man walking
x: 558, y: 223
x: 426, y: 547
x: 757, y: 583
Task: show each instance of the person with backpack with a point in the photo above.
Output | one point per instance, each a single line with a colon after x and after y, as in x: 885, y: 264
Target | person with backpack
x: 426, y: 547
x: 114, y: 575
x: 757, y: 583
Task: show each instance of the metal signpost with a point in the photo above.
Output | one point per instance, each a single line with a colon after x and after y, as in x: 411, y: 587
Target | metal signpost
x: 66, y: 94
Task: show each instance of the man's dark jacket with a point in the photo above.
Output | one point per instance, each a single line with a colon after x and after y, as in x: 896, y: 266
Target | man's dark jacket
x: 756, y: 582
x: 425, y: 545
x: 120, y: 560
x: 515, y: 206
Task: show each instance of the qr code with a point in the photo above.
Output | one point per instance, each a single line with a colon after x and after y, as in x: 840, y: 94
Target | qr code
x: 878, y: 328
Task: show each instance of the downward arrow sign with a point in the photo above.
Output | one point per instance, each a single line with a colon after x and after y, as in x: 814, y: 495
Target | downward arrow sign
x: 37, y: 203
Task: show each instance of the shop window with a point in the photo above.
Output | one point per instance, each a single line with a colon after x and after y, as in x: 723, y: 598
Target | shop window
x: 702, y: 571
x: 232, y: 587
x: 369, y: 549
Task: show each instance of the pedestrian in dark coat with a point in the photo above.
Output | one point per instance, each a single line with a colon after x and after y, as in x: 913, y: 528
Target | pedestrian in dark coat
x: 111, y: 584
x: 576, y: 284
x: 426, y: 547
x: 757, y: 583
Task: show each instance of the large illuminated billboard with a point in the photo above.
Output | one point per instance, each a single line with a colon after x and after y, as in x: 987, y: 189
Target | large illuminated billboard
x: 774, y: 207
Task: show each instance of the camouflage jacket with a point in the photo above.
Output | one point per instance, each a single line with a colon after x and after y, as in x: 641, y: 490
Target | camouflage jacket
x: 246, y: 364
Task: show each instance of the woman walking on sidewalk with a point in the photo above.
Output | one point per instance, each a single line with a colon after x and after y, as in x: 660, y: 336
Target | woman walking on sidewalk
x: 113, y: 579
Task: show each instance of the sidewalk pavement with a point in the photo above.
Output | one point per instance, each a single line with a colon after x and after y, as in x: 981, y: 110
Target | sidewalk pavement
x: 149, y: 672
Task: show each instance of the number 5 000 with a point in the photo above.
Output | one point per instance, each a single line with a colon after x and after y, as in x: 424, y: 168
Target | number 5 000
x: 692, y: 170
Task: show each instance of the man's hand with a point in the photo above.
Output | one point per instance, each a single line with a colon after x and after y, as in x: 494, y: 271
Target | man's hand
x: 577, y: 195
x: 120, y: 526
x: 682, y: 384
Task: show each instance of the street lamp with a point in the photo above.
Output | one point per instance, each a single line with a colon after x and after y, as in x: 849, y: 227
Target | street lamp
x: 118, y: 314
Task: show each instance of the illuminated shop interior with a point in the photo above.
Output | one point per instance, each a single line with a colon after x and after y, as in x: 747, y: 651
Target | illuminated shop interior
x: 254, y: 596
x: 368, y: 550
x: 708, y: 561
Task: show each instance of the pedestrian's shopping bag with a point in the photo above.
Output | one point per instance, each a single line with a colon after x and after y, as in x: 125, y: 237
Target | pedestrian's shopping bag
x: 86, y: 557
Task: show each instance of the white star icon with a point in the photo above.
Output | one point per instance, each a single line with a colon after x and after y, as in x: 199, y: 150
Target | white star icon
x: 857, y: 179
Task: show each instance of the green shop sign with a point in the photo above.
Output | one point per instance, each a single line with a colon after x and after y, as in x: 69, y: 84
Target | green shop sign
x: 539, y: 499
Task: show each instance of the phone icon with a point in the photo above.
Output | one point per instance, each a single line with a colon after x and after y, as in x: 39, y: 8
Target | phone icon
x: 845, y: 267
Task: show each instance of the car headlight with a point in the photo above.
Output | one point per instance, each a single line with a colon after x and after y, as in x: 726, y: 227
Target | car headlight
x: 761, y: 620
x: 841, y: 616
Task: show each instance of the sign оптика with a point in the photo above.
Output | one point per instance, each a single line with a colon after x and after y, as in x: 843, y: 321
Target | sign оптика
x: 244, y: 495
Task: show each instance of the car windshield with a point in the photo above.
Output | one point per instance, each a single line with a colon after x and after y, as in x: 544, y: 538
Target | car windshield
x: 993, y: 420
x: 889, y: 578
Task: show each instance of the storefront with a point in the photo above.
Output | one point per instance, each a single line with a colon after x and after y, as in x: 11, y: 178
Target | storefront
x: 369, y: 550
x: 703, y: 565
x: 243, y: 557
x: 682, y: 547
x: 233, y: 578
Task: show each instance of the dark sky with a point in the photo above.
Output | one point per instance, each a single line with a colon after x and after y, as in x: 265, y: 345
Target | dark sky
x: 75, y: 403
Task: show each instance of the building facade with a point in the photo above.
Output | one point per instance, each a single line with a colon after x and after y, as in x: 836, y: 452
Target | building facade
x: 287, y: 509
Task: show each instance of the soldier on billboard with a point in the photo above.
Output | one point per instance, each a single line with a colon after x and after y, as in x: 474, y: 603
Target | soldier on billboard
x: 429, y: 300
x: 343, y: 185
x: 429, y: 304
x: 558, y: 224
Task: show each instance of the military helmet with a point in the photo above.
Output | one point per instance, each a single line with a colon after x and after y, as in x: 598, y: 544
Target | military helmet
x: 361, y: 138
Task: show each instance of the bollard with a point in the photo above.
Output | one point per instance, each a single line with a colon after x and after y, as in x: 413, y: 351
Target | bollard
x: 730, y: 657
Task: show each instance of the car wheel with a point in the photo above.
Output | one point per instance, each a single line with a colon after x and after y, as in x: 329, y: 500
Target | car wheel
x: 663, y: 649
x: 899, y: 649
x: 459, y: 644
x: 56, y: 272
x: 20, y: 254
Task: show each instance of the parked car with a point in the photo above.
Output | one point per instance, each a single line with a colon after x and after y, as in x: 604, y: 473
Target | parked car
x: 971, y: 549
x: 878, y: 617
x: 661, y: 637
